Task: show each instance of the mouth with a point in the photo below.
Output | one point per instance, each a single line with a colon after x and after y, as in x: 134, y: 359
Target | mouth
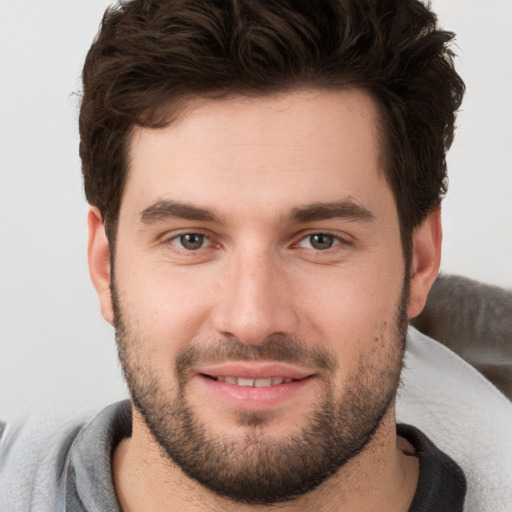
x: 251, y: 386
x: 252, y: 383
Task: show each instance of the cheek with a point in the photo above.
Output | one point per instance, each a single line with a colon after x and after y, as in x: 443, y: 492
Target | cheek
x: 163, y: 310
x: 360, y: 296
x: 350, y: 311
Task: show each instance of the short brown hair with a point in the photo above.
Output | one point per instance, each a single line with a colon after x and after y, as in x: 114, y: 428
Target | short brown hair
x: 151, y: 54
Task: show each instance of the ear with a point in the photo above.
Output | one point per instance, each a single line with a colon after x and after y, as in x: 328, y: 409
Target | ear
x: 426, y: 259
x: 99, y: 262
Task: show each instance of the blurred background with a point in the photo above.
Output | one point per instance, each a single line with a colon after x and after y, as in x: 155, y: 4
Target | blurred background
x: 55, y: 348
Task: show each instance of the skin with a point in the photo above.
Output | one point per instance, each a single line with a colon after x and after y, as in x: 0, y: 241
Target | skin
x: 253, y: 161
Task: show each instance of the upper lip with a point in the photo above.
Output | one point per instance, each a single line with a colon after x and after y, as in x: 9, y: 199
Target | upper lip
x: 254, y: 370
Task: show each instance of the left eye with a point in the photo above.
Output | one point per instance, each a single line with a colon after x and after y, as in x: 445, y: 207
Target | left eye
x: 191, y: 241
x: 319, y: 241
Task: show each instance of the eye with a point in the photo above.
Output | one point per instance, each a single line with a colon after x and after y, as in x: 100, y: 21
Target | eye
x: 191, y: 241
x: 319, y: 241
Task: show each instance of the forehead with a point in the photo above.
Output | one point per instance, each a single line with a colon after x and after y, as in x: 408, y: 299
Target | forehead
x: 287, y: 149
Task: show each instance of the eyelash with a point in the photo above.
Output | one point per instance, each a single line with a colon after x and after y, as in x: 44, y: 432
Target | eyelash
x: 338, y: 242
x: 178, y: 236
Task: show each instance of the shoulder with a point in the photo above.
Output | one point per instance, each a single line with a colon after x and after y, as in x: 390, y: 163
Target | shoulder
x: 464, y: 415
x: 34, y: 456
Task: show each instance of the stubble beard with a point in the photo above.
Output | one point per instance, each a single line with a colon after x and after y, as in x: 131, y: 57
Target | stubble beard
x: 257, y: 468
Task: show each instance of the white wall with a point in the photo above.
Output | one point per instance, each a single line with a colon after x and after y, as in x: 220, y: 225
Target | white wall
x: 478, y: 207
x: 54, y: 345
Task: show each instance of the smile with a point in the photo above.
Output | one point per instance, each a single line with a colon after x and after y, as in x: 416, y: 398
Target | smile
x: 256, y: 383
x: 254, y: 387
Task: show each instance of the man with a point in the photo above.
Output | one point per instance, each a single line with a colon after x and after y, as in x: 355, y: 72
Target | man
x: 265, y: 182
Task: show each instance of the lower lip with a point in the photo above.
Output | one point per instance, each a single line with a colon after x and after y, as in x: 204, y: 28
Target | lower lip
x: 253, y: 398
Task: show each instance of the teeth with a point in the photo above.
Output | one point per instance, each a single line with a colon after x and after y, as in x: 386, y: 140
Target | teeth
x: 258, y: 383
x: 262, y: 383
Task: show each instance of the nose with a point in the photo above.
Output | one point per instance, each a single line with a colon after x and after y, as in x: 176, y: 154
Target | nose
x: 255, y: 300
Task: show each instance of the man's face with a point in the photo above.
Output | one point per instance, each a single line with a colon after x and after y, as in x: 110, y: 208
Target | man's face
x: 259, y: 289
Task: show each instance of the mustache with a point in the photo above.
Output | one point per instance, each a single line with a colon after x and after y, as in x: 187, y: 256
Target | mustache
x: 275, y: 348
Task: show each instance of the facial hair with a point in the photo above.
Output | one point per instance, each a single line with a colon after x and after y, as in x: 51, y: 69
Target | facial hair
x: 259, y: 468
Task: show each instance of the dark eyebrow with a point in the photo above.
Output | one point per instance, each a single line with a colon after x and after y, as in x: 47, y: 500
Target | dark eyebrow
x: 346, y: 209
x: 167, y: 209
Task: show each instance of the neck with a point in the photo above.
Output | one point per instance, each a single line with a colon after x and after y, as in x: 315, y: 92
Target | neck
x: 381, y: 477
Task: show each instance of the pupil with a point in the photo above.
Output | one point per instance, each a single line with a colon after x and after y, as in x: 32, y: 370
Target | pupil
x: 321, y: 241
x: 192, y: 241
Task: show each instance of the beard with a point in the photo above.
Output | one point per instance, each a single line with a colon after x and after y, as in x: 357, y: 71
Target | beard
x: 257, y: 467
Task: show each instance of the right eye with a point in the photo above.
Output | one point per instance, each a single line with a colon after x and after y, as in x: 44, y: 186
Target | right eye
x: 320, y: 241
x: 190, y: 241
